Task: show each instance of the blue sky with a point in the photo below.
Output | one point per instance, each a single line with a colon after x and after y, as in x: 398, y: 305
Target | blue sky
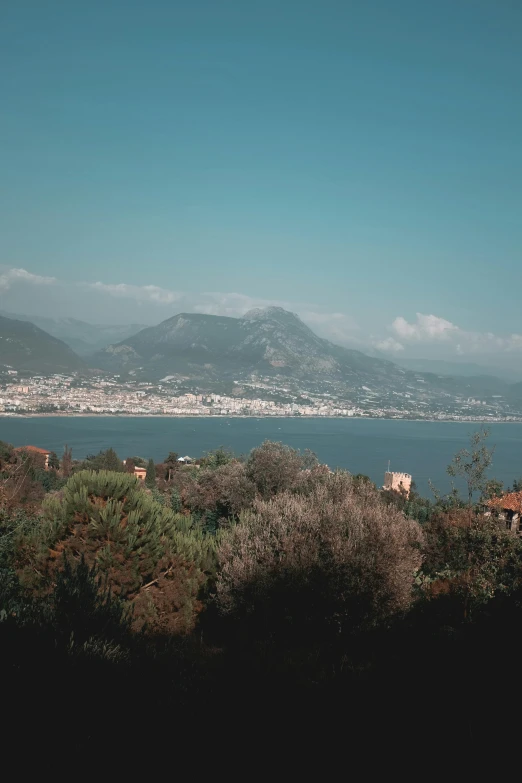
x: 359, y: 162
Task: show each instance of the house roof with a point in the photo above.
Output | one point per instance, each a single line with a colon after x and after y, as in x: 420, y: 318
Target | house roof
x: 32, y: 448
x: 511, y: 501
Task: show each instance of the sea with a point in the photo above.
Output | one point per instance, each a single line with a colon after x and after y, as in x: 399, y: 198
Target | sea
x: 367, y: 446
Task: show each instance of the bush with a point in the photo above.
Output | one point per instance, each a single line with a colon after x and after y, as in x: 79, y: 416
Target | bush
x: 274, y: 467
x: 111, y: 523
x: 329, y: 563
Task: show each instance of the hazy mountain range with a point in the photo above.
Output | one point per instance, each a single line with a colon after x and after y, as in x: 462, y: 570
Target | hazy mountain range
x: 84, y: 338
x: 271, y: 342
x: 203, y: 349
x: 23, y: 346
x: 462, y: 369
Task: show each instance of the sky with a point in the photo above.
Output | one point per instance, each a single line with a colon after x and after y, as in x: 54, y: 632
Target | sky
x: 358, y: 162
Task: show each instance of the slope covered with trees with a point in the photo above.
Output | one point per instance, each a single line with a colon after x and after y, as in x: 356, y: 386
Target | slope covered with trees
x: 246, y: 588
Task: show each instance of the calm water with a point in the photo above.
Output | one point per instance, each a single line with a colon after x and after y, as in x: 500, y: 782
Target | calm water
x: 362, y: 446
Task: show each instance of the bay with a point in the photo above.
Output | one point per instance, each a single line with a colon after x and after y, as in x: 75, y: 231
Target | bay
x: 359, y: 445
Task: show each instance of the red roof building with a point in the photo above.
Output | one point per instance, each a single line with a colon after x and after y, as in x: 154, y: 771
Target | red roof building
x: 35, y: 450
x: 509, y: 508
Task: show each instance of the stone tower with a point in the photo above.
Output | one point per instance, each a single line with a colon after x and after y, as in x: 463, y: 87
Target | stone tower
x: 399, y: 482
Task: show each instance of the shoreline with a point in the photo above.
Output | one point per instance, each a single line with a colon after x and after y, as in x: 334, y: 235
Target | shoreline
x: 15, y: 416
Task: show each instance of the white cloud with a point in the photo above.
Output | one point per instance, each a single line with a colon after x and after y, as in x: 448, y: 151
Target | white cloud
x: 232, y: 304
x: 12, y: 275
x: 390, y: 344
x: 425, y: 327
x: 88, y: 301
x: 431, y: 329
x: 149, y: 304
x: 147, y: 293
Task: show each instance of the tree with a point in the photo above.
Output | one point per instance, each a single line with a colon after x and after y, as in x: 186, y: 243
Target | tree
x: 129, y: 465
x: 223, y: 491
x: 274, y: 467
x: 175, y: 501
x: 54, y: 462
x: 217, y: 458
x: 109, y: 460
x: 67, y: 462
x: 150, y: 478
x: 171, y: 464
x: 139, y: 462
x: 469, y: 563
x: 319, y: 566
x: 472, y: 464
x: 147, y: 555
x: 492, y: 489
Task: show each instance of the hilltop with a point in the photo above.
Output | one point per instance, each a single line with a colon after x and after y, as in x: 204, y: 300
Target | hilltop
x: 23, y: 346
x: 271, y: 342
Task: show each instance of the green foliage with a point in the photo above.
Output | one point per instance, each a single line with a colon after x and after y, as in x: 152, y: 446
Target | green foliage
x: 104, y: 460
x: 6, y: 452
x: 140, y: 462
x: 492, y: 489
x: 217, y: 458
x: 171, y: 464
x: 150, y: 478
x: 413, y: 506
x: 115, y: 524
x: 359, y: 479
x: 304, y: 561
x: 84, y: 607
x: 49, y: 480
x: 275, y: 467
x: 54, y: 462
x: 472, y: 560
x: 472, y: 464
x: 175, y: 500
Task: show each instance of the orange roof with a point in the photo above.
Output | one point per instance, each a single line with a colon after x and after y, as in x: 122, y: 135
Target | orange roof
x: 512, y: 501
x: 32, y: 448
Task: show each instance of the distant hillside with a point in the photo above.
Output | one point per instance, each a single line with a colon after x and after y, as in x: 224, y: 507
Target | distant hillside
x: 23, y: 346
x: 84, y: 338
x: 272, y: 344
x: 460, y: 369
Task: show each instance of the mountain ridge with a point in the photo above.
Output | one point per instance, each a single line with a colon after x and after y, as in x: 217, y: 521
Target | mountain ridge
x: 26, y: 347
x: 271, y: 342
x: 84, y: 338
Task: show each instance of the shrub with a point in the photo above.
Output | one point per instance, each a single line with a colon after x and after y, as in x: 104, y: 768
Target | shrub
x: 335, y: 560
x: 112, y: 523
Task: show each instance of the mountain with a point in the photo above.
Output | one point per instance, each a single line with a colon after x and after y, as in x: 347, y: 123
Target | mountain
x: 460, y: 369
x: 23, y: 346
x: 84, y: 338
x: 275, y: 346
x: 270, y: 342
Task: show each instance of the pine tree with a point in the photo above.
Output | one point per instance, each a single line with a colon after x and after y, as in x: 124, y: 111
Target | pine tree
x: 171, y: 464
x: 54, y: 462
x: 144, y: 553
x: 150, y: 478
x: 67, y: 462
x: 175, y: 501
x: 110, y: 461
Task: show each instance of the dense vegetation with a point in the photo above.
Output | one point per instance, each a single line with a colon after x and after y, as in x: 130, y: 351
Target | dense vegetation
x: 213, y: 597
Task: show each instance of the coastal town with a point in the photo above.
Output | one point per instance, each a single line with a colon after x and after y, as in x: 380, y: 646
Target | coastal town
x: 74, y: 395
